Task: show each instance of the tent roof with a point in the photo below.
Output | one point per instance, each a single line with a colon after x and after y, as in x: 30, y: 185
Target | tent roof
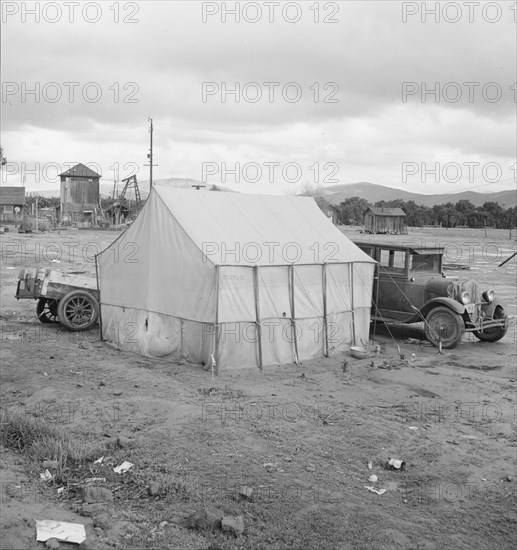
x: 243, y: 229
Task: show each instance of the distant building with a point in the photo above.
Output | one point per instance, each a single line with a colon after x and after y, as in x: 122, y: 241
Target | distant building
x: 384, y: 220
x: 12, y: 201
x: 80, y: 195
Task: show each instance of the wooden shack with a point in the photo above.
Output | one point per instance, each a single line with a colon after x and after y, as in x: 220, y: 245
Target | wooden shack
x: 12, y: 201
x: 79, y: 195
x: 384, y: 220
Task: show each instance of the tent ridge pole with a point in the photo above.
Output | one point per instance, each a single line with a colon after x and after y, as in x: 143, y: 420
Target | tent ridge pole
x: 257, y: 314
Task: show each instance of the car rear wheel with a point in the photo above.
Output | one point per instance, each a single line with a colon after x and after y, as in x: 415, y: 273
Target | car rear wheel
x: 47, y: 311
x: 442, y: 325
x: 78, y: 310
x: 493, y: 334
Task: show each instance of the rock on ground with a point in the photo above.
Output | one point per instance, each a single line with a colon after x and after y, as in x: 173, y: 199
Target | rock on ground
x: 233, y: 525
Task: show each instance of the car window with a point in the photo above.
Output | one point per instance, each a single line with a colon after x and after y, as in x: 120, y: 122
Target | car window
x: 393, y: 260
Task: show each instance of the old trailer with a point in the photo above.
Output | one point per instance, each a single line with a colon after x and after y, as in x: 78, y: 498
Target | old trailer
x: 71, y: 299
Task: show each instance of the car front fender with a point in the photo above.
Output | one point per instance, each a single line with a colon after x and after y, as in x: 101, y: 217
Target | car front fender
x: 448, y: 302
x: 489, y: 307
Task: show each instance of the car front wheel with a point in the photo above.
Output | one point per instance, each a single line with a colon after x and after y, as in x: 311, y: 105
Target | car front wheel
x: 493, y: 334
x: 445, y: 326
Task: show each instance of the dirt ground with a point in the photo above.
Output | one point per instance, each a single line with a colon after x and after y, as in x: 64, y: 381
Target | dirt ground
x: 301, y: 437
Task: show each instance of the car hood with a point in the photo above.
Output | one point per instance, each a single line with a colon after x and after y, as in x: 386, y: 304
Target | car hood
x: 452, y: 288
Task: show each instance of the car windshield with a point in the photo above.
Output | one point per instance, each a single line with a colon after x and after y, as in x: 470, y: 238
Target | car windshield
x: 425, y: 262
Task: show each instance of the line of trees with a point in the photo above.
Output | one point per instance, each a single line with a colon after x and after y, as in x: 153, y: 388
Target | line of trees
x: 461, y: 213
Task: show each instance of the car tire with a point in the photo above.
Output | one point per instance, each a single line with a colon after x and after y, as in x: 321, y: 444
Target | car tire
x: 78, y: 310
x: 493, y: 334
x: 47, y: 310
x: 442, y: 325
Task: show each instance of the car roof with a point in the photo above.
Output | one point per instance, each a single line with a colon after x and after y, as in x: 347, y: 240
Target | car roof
x: 412, y: 247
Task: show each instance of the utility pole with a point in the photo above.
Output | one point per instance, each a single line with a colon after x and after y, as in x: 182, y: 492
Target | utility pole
x: 150, y: 155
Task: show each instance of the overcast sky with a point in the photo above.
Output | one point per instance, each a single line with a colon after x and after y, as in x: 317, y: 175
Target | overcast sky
x: 346, y: 105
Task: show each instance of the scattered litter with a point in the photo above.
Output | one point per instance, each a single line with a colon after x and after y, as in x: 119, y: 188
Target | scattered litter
x: 287, y: 459
x: 60, y: 530
x: 99, y: 460
x: 55, y: 261
x: 60, y: 490
x: 374, y: 490
x: 412, y: 428
x: 451, y: 442
x: 373, y: 478
x: 124, y: 467
x: 370, y: 465
x: 395, y: 464
x: 118, y: 393
x: 509, y: 478
x: 95, y: 479
x: 484, y: 479
x: 46, y: 476
x: 163, y: 524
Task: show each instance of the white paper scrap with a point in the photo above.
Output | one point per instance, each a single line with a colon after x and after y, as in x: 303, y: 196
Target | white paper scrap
x: 60, y: 530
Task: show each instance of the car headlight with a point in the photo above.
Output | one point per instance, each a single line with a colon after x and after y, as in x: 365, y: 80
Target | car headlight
x: 488, y: 295
x: 465, y: 297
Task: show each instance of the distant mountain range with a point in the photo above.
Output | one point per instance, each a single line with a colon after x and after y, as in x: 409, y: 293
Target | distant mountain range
x: 337, y: 193
x: 373, y: 193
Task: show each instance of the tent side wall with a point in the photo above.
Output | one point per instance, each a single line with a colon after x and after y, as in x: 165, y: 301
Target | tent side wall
x: 163, y: 302
x: 284, y: 314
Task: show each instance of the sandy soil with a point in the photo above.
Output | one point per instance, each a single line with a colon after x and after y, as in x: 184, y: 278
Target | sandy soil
x: 300, y: 437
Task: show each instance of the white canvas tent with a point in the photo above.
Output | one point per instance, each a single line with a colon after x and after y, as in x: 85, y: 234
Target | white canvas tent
x: 244, y: 279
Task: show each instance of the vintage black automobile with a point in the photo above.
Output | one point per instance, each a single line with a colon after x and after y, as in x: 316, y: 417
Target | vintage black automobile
x: 410, y: 287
